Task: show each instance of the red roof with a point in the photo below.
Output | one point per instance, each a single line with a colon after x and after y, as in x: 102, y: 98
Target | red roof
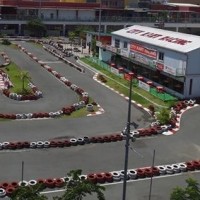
x: 37, y: 4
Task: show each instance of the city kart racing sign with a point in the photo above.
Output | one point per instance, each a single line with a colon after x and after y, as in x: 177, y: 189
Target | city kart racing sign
x: 143, y: 50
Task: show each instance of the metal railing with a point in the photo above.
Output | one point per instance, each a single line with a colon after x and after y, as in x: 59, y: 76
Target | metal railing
x: 103, y: 19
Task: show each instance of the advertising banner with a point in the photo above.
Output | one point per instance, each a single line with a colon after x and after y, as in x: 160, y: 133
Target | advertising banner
x: 124, y: 53
x: 170, y: 70
x: 127, y: 77
x: 144, y: 86
x: 114, y: 70
x: 143, y: 50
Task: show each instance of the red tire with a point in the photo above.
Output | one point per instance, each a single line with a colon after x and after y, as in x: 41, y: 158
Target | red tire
x: 106, y: 139
x: 19, y: 145
x: 60, y: 144
x: 9, y: 191
x: 108, y: 177
x: 148, y: 172
x: 14, y: 184
x: 50, y: 183
x: 190, y: 166
x: 41, y: 182
x: 26, y: 144
x: 155, y: 171
x: 140, y: 173
x: 66, y: 143
x: 93, y: 139
x: 5, y: 185
x: 92, y: 178
x: 12, y: 146
x: 196, y: 164
x: 100, y: 139
x: 53, y: 143
x: 100, y: 178
x: 113, y: 138
x: 59, y: 183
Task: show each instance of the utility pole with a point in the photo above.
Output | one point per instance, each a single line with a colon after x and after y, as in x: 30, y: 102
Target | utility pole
x: 100, y: 9
x: 127, y: 139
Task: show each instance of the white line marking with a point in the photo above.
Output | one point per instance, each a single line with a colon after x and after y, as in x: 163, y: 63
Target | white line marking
x: 128, y: 181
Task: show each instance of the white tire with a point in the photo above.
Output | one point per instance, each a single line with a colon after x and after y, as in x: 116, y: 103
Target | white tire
x: 23, y: 183
x: 162, y: 169
x: 2, y: 192
x: 32, y: 182
x: 46, y: 144
x: 33, y: 145
x: 132, y: 174
x: 83, y: 177
x: 40, y: 144
x: 183, y: 167
x: 116, y: 176
x: 169, y: 169
x: 176, y: 168
x: 1, y: 146
x: 5, y: 144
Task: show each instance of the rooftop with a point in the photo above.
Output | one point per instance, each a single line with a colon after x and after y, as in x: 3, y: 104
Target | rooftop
x: 176, y: 41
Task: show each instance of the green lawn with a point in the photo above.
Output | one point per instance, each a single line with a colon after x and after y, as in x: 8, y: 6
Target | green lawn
x: 14, y: 73
x: 122, y: 86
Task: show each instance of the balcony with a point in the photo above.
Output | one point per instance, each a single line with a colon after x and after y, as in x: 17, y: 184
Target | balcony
x: 105, y: 19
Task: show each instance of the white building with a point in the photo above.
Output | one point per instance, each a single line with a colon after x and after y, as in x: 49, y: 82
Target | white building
x: 168, y: 59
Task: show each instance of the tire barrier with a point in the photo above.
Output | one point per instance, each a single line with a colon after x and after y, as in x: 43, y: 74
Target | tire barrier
x: 6, y: 188
x: 6, y: 59
x: 53, y: 50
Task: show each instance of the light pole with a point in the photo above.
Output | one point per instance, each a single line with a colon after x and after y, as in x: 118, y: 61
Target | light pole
x: 127, y: 133
x: 100, y: 6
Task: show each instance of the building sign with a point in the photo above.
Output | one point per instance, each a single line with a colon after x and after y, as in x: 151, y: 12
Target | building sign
x: 170, y: 70
x: 141, y: 59
x: 143, y: 50
x: 144, y: 86
x: 160, y: 66
x: 159, y: 37
x: 127, y: 77
x: 114, y: 70
x: 124, y: 53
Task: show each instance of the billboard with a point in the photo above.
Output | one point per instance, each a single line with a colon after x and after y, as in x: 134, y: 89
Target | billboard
x: 135, y: 47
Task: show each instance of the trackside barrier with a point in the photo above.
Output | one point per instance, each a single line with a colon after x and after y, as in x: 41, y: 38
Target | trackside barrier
x: 7, y: 188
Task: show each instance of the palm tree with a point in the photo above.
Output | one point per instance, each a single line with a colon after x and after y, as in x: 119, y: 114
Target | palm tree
x: 28, y: 193
x: 78, y: 188
x: 24, y: 75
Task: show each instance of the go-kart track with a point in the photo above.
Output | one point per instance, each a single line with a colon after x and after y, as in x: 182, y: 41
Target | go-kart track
x: 44, y: 163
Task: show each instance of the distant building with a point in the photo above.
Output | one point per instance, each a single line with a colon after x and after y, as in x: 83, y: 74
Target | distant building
x: 165, y: 58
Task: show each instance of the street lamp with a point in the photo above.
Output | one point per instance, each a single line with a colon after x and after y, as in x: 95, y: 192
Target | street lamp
x: 100, y: 6
x: 127, y: 133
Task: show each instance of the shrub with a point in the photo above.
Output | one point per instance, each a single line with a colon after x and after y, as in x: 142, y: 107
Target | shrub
x: 163, y: 116
x: 6, y: 42
x: 101, y: 78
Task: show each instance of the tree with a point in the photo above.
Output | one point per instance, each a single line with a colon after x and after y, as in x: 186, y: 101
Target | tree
x: 191, y: 192
x: 163, y: 116
x: 28, y: 193
x: 78, y: 188
x: 36, y: 27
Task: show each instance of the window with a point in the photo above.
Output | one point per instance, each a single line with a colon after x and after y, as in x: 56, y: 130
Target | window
x: 161, y: 56
x: 117, y: 43
x: 125, y: 45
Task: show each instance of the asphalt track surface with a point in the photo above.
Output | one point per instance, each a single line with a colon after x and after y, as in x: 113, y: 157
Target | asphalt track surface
x: 182, y: 146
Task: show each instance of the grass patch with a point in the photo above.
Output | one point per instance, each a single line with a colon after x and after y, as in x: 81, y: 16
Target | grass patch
x: 35, y: 44
x: 14, y: 73
x: 122, y: 86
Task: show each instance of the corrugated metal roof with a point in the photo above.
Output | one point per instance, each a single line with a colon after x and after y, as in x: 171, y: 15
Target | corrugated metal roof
x: 176, y: 41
